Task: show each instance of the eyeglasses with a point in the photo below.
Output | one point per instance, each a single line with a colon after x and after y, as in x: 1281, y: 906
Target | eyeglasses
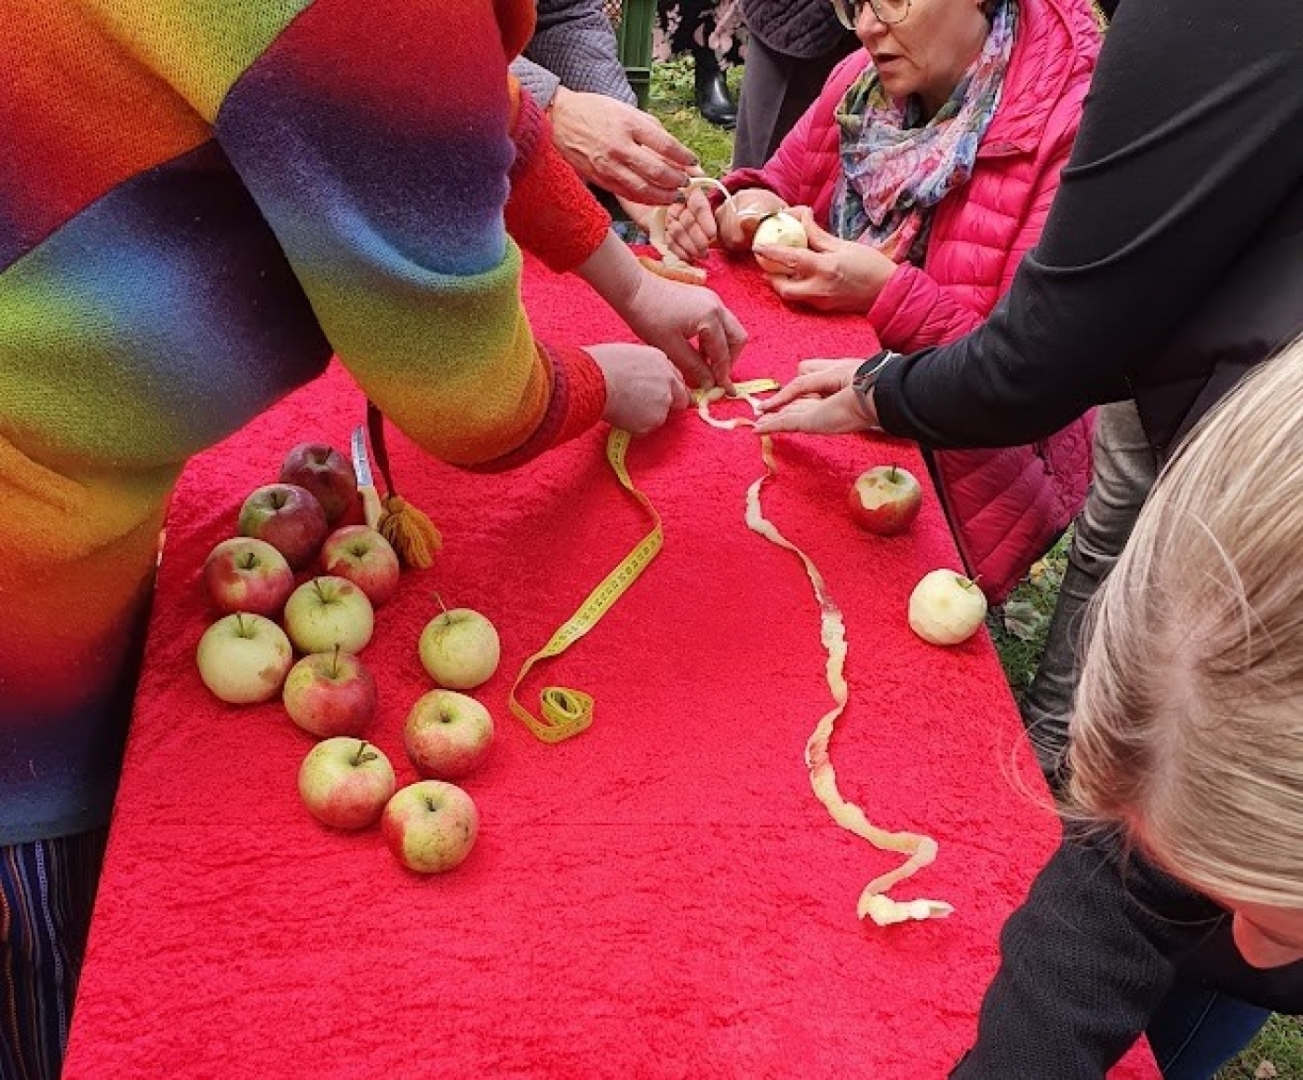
x: 887, y: 12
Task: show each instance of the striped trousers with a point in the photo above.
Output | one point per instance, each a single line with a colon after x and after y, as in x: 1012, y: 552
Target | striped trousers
x: 47, y: 889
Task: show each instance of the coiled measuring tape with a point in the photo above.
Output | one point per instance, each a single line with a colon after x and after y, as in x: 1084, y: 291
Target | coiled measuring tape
x: 565, y: 711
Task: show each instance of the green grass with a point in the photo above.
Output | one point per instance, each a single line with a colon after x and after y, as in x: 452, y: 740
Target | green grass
x: 1019, y: 629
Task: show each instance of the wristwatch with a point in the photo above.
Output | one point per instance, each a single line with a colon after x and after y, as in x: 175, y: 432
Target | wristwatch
x: 867, y: 374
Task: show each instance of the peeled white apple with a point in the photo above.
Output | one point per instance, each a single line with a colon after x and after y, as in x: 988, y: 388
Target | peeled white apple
x: 946, y: 608
x: 779, y: 229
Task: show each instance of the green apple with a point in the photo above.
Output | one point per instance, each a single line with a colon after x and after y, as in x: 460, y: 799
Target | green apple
x: 460, y: 649
x: 243, y: 658
x: 327, y: 612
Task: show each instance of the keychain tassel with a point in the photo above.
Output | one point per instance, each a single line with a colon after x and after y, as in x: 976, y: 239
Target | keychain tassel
x: 408, y: 528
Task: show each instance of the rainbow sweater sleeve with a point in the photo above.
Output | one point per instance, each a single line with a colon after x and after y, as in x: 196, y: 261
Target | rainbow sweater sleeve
x: 203, y: 194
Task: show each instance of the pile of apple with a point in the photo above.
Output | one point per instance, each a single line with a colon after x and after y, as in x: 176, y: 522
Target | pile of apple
x: 304, y: 523
x: 946, y: 607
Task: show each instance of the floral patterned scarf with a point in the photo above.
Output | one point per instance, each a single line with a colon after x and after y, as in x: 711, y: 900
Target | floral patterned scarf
x: 894, y: 169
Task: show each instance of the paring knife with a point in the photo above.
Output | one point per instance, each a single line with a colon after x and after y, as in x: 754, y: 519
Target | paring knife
x: 371, y: 508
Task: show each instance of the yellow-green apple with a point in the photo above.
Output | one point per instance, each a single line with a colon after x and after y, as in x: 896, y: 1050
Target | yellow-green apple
x: 447, y: 734
x: 885, y: 500
x: 327, y: 612
x: 345, y: 783
x: 325, y: 472
x: 247, y: 574
x: 243, y: 658
x: 460, y: 649
x: 289, y: 518
x: 363, y: 556
x: 430, y: 826
x: 779, y: 229
x: 330, y: 694
x: 946, y: 608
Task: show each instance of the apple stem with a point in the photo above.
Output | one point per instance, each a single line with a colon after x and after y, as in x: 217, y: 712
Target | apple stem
x: 334, y: 663
x: 363, y: 754
x: 429, y: 804
x: 892, y: 475
x: 239, y: 623
x: 439, y: 600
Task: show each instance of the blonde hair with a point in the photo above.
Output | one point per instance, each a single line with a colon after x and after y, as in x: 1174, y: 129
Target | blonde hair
x: 1188, y: 727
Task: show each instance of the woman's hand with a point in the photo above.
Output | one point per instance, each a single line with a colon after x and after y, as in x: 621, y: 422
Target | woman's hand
x: 690, y: 226
x: 693, y: 225
x: 619, y: 147
x: 741, y: 216
x: 820, y: 399
x: 833, y: 275
x: 689, y: 323
x: 642, y: 386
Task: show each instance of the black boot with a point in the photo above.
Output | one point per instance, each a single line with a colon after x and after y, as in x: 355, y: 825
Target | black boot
x: 713, y: 100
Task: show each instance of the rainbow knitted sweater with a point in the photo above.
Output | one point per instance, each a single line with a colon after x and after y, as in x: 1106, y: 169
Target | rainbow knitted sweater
x: 200, y: 194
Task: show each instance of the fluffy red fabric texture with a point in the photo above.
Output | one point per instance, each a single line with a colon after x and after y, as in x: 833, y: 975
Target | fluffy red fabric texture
x: 662, y: 896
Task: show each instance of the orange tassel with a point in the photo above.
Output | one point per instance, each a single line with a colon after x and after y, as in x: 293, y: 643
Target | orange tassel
x: 411, y: 532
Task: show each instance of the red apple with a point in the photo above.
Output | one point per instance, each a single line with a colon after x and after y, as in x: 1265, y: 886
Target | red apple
x: 447, y: 734
x: 354, y: 513
x: 289, y: 518
x: 361, y: 555
x: 329, y: 612
x: 885, y: 500
x: 246, y: 574
x: 243, y: 658
x: 430, y: 826
x: 330, y: 694
x: 346, y: 783
x: 946, y: 608
x: 325, y: 472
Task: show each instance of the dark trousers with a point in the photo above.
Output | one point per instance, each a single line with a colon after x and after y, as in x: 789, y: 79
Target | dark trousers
x: 47, y: 890
x: 775, y: 91
x: 1124, y: 470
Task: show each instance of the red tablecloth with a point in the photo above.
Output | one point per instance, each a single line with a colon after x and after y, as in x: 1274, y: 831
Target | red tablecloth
x: 662, y: 896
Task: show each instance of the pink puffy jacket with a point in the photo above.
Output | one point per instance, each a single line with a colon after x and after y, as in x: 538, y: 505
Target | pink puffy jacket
x: 1005, y: 506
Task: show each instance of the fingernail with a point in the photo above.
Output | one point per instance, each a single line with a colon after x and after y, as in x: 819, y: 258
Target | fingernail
x: 680, y: 197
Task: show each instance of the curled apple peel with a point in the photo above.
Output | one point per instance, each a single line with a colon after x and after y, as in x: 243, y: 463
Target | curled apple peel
x: 921, y: 850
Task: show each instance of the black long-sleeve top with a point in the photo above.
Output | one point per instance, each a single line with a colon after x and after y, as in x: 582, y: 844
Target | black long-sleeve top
x: 1189, y: 157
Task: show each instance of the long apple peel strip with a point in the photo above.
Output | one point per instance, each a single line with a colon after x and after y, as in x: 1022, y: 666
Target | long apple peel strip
x: 922, y: 850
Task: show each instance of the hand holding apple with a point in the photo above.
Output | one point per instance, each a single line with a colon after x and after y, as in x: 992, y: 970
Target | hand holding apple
x: 447, y: 734
x: 243, y: 658
x: 430, y: 826
x: 289, y: 518
x: 327, y: 612
x: 323, y: 471
x: 460, y: 649
x: 363, y: 556
x: 885, y: 500
x: 946, y: 608
x: 346, y: 783
x: 247, y: 574
x: 330, y: 694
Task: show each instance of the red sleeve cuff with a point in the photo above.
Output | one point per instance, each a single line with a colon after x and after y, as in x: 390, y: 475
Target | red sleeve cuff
x: 550, y: 212
x: 577, y: 403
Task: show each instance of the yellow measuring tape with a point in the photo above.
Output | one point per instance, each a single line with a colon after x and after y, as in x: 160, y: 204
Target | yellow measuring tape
x: 567, y: 712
